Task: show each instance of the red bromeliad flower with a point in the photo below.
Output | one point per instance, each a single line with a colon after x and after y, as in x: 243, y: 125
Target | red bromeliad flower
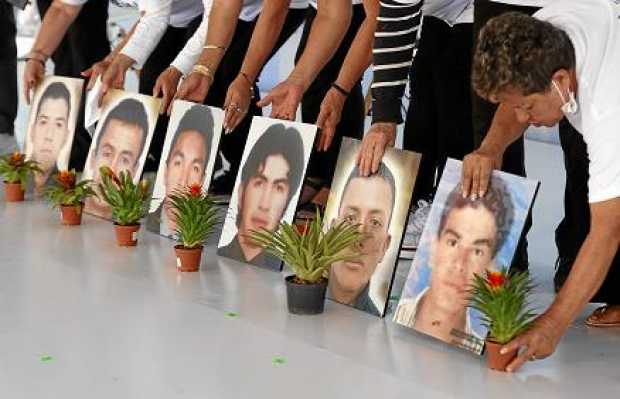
x: 496, y: 279
x: 195, y: 190
x: 17, y: 159
x: 66, y: 179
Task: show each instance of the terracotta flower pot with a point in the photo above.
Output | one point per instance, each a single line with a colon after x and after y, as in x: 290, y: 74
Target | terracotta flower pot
x: 127, y: 236
x: 13, y: 192
x: 71, y: 215
x: 305, y: 299
x: 495, y: 360
x: 188, y: 259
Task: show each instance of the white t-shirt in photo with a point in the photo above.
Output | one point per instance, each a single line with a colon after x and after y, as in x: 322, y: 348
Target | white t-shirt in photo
x: 594, y: 30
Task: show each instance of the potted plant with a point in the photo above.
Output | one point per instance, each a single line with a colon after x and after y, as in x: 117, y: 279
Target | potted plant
x: 196, y: 218
x: 69, y: 196
x: 309, y: 252
x: 16, y: 172
x: 128, y: 201
x: 502, y: 298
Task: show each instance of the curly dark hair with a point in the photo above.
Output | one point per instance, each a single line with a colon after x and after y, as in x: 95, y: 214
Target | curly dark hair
x: 519, y: 52
x: 497, y: 201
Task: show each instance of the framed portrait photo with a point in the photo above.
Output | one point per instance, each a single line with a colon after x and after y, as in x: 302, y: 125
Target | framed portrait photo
x: 121, y: 141
x: 51, y: 126
x: 267, y: 187
x: 379, y: 204
x: 462, y: 237
x: 187, y: 158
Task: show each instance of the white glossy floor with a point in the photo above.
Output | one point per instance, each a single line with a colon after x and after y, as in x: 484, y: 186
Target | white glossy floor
x: 122, y: 323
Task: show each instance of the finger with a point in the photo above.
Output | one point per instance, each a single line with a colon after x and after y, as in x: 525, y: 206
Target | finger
x: 466, y: 179
x: 377, y: 156
x: 328, y: 137
x: 265, y: 101
x: 323, y: 116
x: 364, y: 167
x: 485, y: 177
x: 523, y: 357
x: 475, y: 182
x: 104, y: 90
x: 87, y: 72
x: 170, y: 100
x: 235, y: 121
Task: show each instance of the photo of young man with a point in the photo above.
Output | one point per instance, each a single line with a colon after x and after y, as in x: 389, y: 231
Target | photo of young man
x: 51, y: 127
x: 185, y: 159
x: 267, y: 186
x: 463, y: 237
x: 378, y: 205
x: 369, y: 203
x: 121, y: 142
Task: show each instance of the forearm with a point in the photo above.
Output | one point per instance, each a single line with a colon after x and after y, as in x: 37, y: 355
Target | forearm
x: 505, y: 130
x: 265, y: 36
x: 395, y: 41
x: 110, y: 57
x: 222, y: 24
x: 359, y: 56
x: 155, y: 15
x: 328, y: 30
x: 54, y: 26
x: 586, y: 277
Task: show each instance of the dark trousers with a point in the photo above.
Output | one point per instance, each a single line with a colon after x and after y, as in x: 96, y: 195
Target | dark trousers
x: 171, y: 43
x: 8, y: 68
x: 438, y: 123
x: 232, y: 144
x: 483, y: 112
x: 322, y: 164
x: 573, y: 229
x: 85, y: 43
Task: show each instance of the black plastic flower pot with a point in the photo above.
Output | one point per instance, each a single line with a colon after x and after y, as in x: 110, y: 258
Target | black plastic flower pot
x: 305, y: 299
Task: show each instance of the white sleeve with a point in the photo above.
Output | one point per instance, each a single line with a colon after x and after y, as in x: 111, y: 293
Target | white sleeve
x: 151, y: 27
x: 74, y: 2
x: 603, y: 143
x: 186, y: 59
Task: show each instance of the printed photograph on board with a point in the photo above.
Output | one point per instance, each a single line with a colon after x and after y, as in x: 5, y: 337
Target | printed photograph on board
x: 379, y: 204
x: 462, y: 236
x: 267, y: 187
x: 121, y: 140
x: 51, y: 126
x: 187, y: 158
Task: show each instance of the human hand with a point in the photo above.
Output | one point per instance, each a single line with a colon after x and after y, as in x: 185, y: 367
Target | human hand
x: 477, y: 169
x: 114, y: 75
x: 166, y: 85
x: 97, y: 69
x: 194, y: 87
x: 373, y: 147
x: 284, y: 99
x: 237, y: 103
x: 536, y: 343
x: 33, y: 74
x: 329, y: 117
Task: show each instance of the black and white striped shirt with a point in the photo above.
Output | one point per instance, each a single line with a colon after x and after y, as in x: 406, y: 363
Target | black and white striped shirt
x: 396, y: 39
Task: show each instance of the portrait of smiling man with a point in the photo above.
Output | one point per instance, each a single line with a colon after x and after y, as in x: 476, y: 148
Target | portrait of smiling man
x: 466, y: 241
x: 49, y: 131
x: 369, y: 203
x: 185, y: 163
x: 118, y: 145
x: 269, y: 179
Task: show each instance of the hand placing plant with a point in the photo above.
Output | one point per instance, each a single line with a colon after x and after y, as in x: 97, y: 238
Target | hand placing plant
x: 502, y: 298
x: 196, y: 218
x: 128, y: 201
x: 15, y: 172
x: 309, y: 252
x: 69, y: 196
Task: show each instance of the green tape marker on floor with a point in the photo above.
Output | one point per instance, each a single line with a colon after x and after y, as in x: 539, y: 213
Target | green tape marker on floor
x: 279, y: 360
x: 46, y: 359
x: 232, y: 314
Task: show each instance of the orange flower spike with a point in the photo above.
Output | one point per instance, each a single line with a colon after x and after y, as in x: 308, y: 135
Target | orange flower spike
x: 66, y: 179
x: 496, y: 279
x: 195, y: 190
x: 17, y: 158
